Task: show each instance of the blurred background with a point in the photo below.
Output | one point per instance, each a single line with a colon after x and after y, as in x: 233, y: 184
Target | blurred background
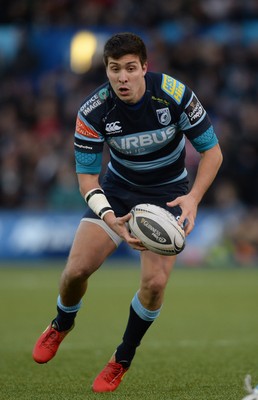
x: 51, y: 59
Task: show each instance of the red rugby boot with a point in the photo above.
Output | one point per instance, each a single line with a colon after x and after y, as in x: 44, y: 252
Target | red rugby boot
x: 48, y: 343
x: 110, y: 377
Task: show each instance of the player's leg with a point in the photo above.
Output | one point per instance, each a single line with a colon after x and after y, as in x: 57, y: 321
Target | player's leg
x: 144, y: 309
x: 90, y: 248
x: 147, y: 302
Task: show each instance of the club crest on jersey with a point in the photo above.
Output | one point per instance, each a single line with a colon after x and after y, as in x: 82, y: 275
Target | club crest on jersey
x: 164, y: 116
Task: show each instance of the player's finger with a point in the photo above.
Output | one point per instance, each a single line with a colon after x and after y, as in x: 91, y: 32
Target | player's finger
x: 189, y: 227
x: 173, y: 203
x: 125, y: 218
x: 136, y: 244
x: 181, y: 219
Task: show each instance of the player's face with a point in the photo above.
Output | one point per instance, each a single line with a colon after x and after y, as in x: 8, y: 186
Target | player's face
x: 126, y: 76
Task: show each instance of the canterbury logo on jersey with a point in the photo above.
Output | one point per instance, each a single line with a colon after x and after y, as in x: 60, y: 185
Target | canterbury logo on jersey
x: 113, y: 127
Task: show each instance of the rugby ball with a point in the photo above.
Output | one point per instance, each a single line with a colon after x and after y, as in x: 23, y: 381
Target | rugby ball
x: 157, y: 229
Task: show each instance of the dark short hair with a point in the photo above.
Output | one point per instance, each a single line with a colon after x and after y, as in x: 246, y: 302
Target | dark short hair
x: 124, y: 43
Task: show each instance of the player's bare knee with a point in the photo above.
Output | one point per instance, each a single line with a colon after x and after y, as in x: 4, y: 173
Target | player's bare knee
x: 155, y: 287
x: 78, y: 270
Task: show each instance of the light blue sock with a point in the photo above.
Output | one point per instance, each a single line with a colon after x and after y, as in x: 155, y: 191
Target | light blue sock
x: 70, y: 309
x: 146, y: 315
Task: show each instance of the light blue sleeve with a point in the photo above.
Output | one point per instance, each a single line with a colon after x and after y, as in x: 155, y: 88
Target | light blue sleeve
x: 205, y: 141
x: 88, y: 163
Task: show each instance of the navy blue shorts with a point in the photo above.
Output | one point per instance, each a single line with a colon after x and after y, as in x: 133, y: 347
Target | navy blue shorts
x: 123, y: 197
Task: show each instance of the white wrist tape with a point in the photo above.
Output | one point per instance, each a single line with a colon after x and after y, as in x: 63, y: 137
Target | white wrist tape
x: 97, y: 201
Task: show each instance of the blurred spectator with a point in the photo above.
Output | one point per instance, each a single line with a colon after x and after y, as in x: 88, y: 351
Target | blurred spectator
x: 230, y: 208
x: 64, y: 194
x: 245, y: 240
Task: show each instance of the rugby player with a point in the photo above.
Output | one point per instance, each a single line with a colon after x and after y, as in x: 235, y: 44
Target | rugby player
x: 145, y: 119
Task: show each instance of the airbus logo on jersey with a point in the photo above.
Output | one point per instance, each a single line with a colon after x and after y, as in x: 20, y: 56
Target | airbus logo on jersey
x: 164, y: 116
x: 141, y: 143
x: 113, y: 127
x: 194, y: 111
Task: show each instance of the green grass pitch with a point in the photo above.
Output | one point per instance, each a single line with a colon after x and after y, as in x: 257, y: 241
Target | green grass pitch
x: 200, y: 348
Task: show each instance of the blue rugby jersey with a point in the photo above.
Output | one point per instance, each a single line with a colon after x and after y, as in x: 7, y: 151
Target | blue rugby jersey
x: 146, y: 140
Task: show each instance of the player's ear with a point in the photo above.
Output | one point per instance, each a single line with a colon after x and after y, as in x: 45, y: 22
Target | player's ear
x: 144, y: 68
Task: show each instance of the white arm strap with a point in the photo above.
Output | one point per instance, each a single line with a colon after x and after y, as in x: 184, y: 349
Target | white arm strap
x: 97, y: 201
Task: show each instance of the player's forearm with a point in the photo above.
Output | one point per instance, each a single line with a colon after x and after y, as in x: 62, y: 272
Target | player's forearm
x: 207, y: 170
x: 87, y: 182
x: 94, y: 195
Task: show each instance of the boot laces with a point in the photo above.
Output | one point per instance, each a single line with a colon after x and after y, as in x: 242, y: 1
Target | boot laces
x: 112, y: 371
x: 50, y: 340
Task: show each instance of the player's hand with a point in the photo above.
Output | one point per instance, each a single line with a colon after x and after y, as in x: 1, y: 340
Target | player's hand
x: 189, y: 206
x: 119, y: 225
x: 133, y: 242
